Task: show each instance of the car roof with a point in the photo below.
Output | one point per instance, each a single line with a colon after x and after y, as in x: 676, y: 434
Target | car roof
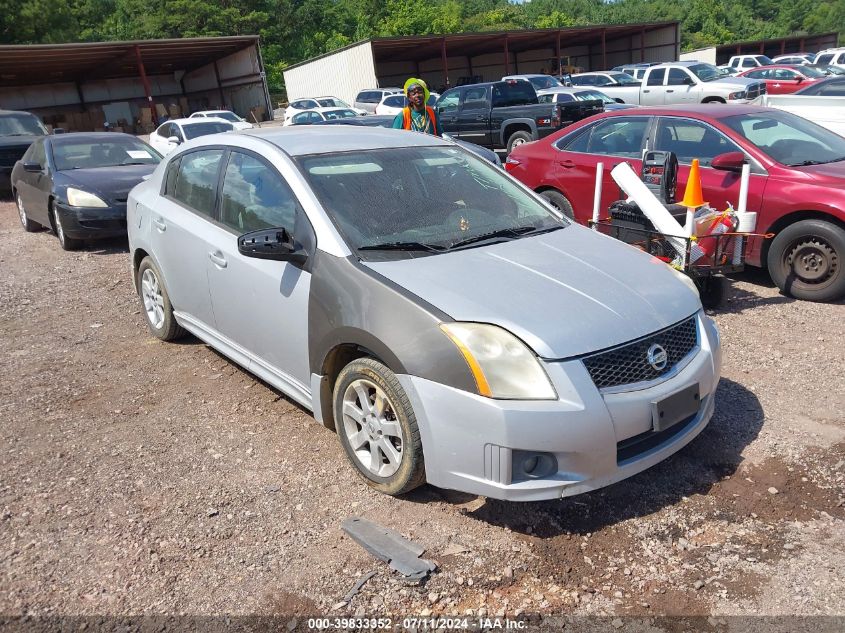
x: 327, y: 139
x: 704, y: 110
x: 197, y: 121
x: 328, y: 109
x: 59, y: 139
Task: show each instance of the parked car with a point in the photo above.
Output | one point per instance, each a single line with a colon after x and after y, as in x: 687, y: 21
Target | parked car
x: 379, y: 120
x: 367, y: 100
x: 827, y: 87
x: 540, y: 82
x: 401, y: 289
x: 309, y: 117
x: 637, y: 71
x: 617, y: 85
x: 170, y: 134
x: 300, y: 105
x: 77, y: 184
x: 832, y: 57
x: 227, y: 115
x: 797, y: 179
x: 393, y: 104
x: 781, y: 80
x: 694, y: 82
x: 504, y: 114
x: 743, y: 62
x: 822, y: 102
x: 827, y: 69
x: 17, y: 132
x: 573, y: 93
x: 794, y: 58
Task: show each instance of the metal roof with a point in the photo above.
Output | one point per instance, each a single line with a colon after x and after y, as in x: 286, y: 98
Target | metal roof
x: 51, y: 63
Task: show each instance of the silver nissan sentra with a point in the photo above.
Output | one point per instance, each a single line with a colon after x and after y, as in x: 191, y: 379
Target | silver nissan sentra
x: 448, y: 324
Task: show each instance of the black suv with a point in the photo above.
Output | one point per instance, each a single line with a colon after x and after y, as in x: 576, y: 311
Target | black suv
x: 17, y: 132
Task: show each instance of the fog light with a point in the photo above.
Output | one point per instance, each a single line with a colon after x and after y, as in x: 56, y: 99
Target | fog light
x: 529, y: 464
x: 533, y: 465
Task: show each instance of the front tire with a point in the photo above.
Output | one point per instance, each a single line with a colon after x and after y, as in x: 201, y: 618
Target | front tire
x: 157, y: 309
x: 518, y: 138
x: 67, y: 243
x: 28, y: 225
x: 559, y: 202
x: 805, y: 260
x: 377, y: 427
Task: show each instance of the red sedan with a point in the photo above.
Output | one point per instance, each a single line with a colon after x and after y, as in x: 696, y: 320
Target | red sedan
x: 797, y: 178
x: 784, y: 80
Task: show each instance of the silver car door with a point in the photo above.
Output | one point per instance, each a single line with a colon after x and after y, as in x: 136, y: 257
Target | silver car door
x: 260, y: 305
x: 179, y: 225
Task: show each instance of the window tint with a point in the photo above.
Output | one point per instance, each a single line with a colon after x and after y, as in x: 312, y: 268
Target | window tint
x: 563, y: 97
x: 614, y: 137
x: 396, y: 101
x: 655, y: 77
x: 164, y: 130
x: 36, y: 154
x: 783, y: 73
x: 449, y: 101
x: 757, y: 74
x: 170, y: 178
x: 677, y: 77
x: 824, y: 59
x: 692, y: 139
x: 196, y: 184
x: 506, y: 93
x: 194, y: 130
x: 474, y: 99
x: 748, y: 63
x: 545, y: 98
x: 255, y: 196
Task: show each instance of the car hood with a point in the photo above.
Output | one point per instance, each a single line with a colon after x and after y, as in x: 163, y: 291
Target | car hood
x: 730, y: 82
x: 565, y: 293
x: 112, y: 183
x: 831, y: 174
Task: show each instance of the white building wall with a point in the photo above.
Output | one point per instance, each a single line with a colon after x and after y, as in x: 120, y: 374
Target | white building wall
x: 342, y: 74
x: 701, y: 55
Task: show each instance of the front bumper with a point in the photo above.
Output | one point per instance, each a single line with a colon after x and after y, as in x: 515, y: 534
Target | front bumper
x: 591, y: 439
x: 93, y: 223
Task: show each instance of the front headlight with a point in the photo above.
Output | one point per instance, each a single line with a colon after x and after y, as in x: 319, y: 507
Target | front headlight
x: 502, y: 365
x: 79, y: 198
x: 737, y: 95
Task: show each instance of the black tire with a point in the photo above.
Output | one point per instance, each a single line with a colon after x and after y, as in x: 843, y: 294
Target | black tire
x: 168, y: 329
x: 28, y: 225
x: 807, y: 260
x: 714, y: 100
x: 67, y: 243
x: 518, y: 138
x: 411, y: 471
x: 559, y: 201
x: 711, y: 290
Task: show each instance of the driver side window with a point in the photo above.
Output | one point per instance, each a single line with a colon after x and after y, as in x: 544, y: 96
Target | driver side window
x: 448, y: 102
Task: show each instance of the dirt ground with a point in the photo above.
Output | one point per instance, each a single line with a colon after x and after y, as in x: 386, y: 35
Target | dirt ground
x: 139, y: 477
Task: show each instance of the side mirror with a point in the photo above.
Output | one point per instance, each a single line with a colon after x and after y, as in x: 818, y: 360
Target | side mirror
x: 173, y: 139
x: 59, y: 130
x: 34, y: 168
x: 275, y: 243
x: 798, y: 80
x: 729, y: 161
x: 689, y: 81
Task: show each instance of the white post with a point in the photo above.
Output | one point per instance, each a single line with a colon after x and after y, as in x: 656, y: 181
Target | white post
x: 597, y: 196
x: 741, y: 212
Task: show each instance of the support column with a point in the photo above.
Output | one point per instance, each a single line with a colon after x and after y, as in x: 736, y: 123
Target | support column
x: 219, y: 86
x: 81, y: 96
x: 782, y: 47
x: 469, y: 66
x: 507, y: 58
x: 762, y: 48
x: 642, y: 45
x: 603, y: 49
x: 801, y: 45
x: 557, y: 54
x: 445, y: 61
x: 146, y: 83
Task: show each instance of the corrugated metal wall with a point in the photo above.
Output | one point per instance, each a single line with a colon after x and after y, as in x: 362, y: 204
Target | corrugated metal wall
x: 342, y: 74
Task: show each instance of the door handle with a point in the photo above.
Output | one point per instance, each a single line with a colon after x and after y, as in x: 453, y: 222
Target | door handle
x: 161, y: 226
x: 218, y: 259
x: 480, y: 117
x: 670, y: 91
x: 566, y: 163
x: 646, y: 90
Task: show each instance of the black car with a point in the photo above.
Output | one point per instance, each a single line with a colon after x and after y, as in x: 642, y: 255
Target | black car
x: 830, y: 87
x: 77, y: 184
x: 386, y: 120
x: 17, y: 132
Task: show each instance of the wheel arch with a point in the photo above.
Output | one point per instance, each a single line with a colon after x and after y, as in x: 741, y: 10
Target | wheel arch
x: 791, y: 218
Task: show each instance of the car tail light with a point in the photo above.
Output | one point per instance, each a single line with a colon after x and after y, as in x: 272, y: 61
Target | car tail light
x: 511, y: 163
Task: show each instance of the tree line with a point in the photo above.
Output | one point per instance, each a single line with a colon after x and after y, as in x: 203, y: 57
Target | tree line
x: 294, y: 30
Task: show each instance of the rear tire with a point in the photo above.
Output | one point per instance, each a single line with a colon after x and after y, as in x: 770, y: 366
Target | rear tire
x: 157, y: 309
x: 377, y: 427
x: 807, y: 260
x: 712, y: 290
x: 28, y: 225
x: 559, y: 202
x: 520, y: 137
x: 714, y: 100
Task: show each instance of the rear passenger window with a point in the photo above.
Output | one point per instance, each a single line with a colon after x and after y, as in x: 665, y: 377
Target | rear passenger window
x: 613, y: 137
x: 170, y: 178
x: 655, y: 77
x: 255, y: 196
x: 474, y: 99
x: 196, y: 183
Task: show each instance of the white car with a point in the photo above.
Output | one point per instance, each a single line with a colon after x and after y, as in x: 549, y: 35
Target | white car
x: 301, y: 105
x: 797, y: 59
x: 393, y: 104
x: 170, y: 134
x: 831, y: 57
x: 226, y: 115
x: 318, y: 115
x: 619, y: 86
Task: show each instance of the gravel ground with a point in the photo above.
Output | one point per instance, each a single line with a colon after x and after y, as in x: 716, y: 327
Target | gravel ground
x: 139, y: 477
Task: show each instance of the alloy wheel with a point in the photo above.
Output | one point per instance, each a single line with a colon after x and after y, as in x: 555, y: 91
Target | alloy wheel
x: 21, y: 210
x: 372, y: 429
x: 153, y: 299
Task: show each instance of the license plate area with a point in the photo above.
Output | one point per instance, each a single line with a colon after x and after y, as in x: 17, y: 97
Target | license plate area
x: 679, y: 406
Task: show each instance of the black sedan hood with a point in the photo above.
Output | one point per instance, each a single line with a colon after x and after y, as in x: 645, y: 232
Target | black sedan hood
x: 110, y: 183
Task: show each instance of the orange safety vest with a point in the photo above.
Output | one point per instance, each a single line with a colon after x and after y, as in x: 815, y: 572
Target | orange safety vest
x: 406, y: 118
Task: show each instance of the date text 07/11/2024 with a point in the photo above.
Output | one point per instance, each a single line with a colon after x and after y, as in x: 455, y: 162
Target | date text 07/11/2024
x: 417, y: 623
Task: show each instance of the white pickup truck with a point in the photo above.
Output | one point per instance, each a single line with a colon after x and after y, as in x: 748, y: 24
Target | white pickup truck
x: 829, y: 112
x: 695, y: 82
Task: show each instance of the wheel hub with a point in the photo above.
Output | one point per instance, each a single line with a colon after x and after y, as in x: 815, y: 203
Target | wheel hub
x: 812, y: 262
x: 371, y: 429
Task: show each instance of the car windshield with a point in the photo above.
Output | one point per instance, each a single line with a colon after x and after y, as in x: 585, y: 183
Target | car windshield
x: 811, y: 72
x: 544, y: 81
x: 194, y: 130
x: 705, y: 72
x: 228, y: 116
x: 590, y: 95
x: 624, y: 78
x: 339, y: 114
x: 408, y: 201
x: 21, y: 125
x: 763, y: 60
x: 789, y: 139
x: 109, y: 152
x: 333, y: 102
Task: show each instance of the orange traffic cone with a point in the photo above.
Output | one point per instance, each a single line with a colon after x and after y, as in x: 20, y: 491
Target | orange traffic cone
x: 693, y: 198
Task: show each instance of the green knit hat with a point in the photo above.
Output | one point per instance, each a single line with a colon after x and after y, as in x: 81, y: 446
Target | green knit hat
x: 413, y: 81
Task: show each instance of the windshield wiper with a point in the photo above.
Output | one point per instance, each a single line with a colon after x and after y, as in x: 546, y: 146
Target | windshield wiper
x: 512, y: 232
x: 403, y: 246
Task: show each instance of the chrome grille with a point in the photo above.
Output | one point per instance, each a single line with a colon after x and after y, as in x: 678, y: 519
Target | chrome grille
x: 10, y: 155
x: 755, y: 90
x: 628, y: 363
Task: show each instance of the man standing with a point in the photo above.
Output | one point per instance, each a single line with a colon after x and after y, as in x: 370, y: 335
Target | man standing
x: 417, y: 115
